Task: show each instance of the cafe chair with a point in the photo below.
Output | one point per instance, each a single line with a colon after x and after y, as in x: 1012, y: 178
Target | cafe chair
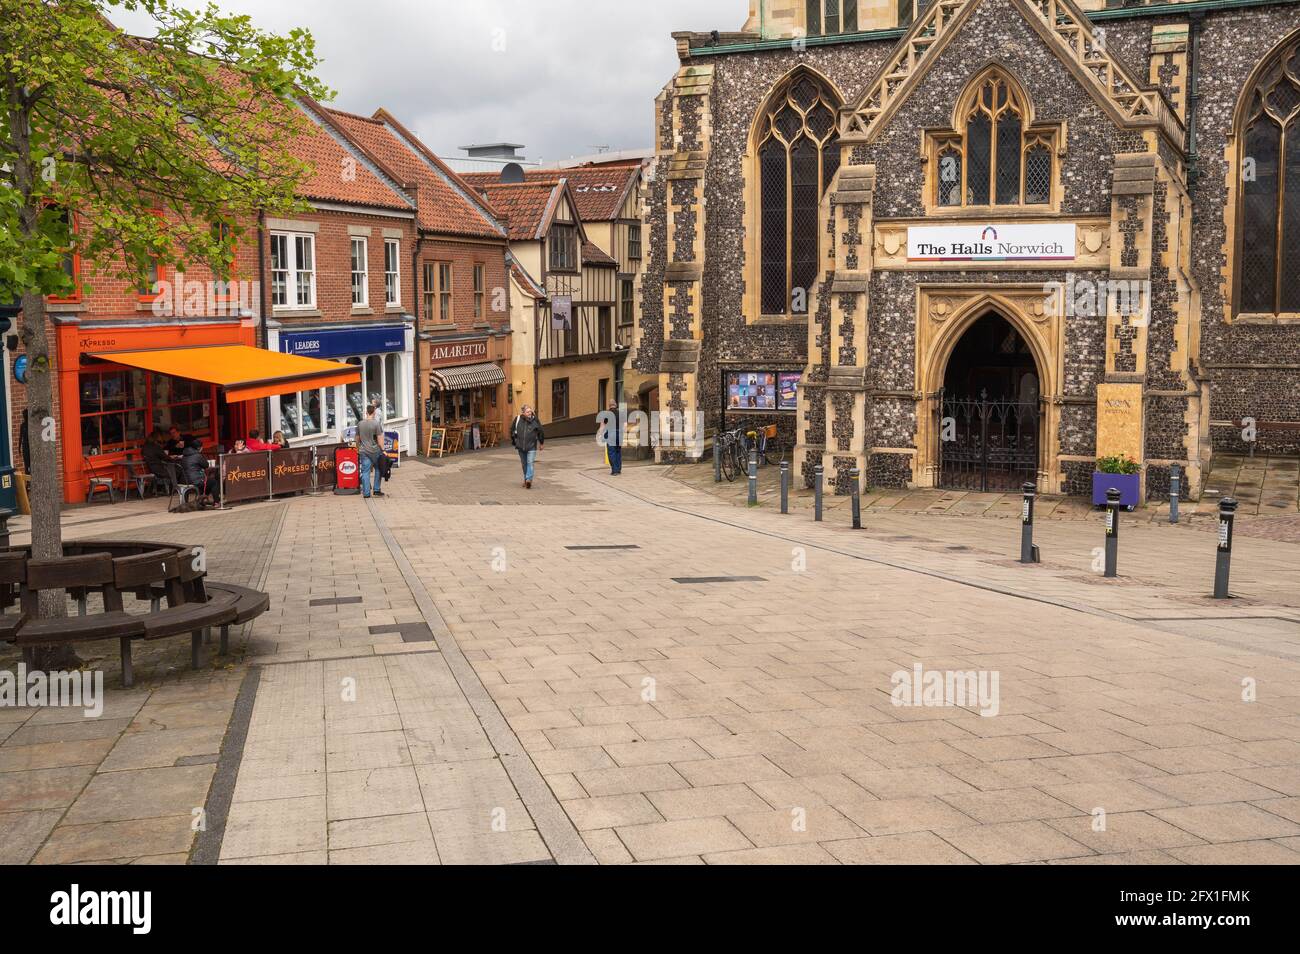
x: 97, y: 479
x: 133, y: 476
x: 181, y: 490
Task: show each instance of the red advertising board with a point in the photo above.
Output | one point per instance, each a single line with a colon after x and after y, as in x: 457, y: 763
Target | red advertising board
x: 347, y: 471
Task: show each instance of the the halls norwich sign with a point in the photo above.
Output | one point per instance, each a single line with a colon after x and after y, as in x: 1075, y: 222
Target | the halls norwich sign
x: 1005, y: 242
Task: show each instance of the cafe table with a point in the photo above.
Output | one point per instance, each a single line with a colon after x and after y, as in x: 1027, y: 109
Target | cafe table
x: 134, y: 471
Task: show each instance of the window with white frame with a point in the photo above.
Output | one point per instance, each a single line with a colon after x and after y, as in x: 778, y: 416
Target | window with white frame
x: 392, y: 272
x: 381, y: 385
x: 307, y: 413
x: 293, y: 270
x: 360, y: 273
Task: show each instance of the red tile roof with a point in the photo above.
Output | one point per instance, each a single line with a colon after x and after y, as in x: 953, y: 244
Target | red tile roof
x: 338, y: 175
x: 593, y: 255
x: 526, y: 283
x: 598, y: 190
x: 527, y: 206
x: 446, y: 203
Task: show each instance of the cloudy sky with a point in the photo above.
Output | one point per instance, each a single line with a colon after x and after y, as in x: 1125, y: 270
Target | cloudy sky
x: 560, y: 76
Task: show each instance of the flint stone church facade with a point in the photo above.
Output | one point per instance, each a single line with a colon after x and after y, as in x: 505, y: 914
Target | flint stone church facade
x: 998, y: 239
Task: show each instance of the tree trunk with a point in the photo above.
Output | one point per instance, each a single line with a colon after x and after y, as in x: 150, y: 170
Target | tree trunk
x: 45, y: 491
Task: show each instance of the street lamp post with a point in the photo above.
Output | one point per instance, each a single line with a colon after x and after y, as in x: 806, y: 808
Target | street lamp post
x: 8, y: 492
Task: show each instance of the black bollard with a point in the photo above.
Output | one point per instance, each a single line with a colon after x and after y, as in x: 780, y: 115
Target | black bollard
x: 1028, y: 552
x: 818, y: 473
x: 717, y: 459
x: 1223, y: 556
x: 753, y: 478
x: 785, y: 486
x: 1174, y: 491
x: 854, y: 475
x: 1112, y: 531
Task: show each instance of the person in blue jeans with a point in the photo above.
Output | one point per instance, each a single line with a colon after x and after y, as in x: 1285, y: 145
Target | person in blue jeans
x: 370, y: 436
x: 614, y: 440
x: 527, y: 436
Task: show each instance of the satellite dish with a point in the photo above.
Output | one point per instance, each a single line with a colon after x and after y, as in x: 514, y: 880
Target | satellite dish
x: 512, y: 172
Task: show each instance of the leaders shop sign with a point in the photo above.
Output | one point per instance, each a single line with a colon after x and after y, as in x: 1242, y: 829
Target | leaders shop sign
x: 1007, y: 242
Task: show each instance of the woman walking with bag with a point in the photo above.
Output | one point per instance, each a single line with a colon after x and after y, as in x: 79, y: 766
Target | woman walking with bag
x: 527, y: 436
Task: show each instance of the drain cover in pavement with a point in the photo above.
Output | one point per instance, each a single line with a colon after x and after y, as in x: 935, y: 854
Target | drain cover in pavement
x: 605, y: 546
x: 718, y: 579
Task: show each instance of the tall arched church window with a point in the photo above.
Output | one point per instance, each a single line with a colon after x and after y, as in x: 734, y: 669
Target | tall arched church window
x: 1269, y: 270
x: 994, y: 156
x: 798, y: 154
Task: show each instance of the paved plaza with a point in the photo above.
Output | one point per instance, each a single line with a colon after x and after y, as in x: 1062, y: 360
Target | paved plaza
x: 643, y: 669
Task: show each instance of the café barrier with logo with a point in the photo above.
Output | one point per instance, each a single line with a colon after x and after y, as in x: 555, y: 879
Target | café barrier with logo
x: 270, y: 473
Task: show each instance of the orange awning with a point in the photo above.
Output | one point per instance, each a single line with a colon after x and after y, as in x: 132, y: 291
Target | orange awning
x: 244, y: 373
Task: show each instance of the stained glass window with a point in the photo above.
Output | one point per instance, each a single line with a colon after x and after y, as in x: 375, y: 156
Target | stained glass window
x: 1269, y: 269
x: 999, y: 160
x: 798, y: 154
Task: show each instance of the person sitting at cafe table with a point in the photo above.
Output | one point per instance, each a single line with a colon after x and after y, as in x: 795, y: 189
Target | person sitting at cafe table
x: 278, y: 439
x: 154, y: 454
x: 176, y: 442
x: 241, y: 446
x: 255, y: 442
x: 194, y: 471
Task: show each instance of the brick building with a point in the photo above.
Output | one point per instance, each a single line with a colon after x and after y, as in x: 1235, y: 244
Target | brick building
x: 991, y: 240
x: 389, y: 239
x: 339, y: 286
x: 455, y: 256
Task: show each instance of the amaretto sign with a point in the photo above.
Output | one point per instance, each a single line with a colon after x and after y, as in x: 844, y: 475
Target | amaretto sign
x: 1043, y: 242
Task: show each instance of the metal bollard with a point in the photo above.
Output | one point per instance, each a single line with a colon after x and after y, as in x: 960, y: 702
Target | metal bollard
x: 818, y: 473
x: 785, y: 486
x: 1174, y: 492
x: 1223, y: 556
x: 1028, y: 551
x: 855, y: 475
x: 1112, y: 531
x: 753, y: 478
x: 717, y: 460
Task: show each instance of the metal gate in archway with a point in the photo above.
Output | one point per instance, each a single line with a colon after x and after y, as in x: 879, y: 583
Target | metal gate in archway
x: 987, y: 444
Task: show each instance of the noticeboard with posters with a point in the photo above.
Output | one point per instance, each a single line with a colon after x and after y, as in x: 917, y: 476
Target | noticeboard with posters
x: 761, y: 390
x: 787, y: 390
x: 751, y: 390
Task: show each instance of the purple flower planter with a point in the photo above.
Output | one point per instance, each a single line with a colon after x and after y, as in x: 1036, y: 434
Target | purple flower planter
x: 1128, y: 485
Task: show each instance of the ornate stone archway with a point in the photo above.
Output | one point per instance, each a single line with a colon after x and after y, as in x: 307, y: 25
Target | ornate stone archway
x: 944, y: 313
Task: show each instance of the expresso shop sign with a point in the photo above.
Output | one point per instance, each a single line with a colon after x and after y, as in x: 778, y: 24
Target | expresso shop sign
x: 1005, y: 242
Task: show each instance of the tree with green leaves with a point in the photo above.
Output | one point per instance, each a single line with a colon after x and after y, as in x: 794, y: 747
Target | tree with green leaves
x: 99, y: 133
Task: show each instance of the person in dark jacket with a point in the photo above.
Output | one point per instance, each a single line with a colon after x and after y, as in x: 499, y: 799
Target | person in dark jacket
x: 194, y: 470
x: 612, y: 434
x: 155, y: 455
x: 527, y: 436
x: 175, y: 443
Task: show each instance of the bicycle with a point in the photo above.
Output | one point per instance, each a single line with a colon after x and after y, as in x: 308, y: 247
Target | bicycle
x: 732, y: 453
x: 761, y: 440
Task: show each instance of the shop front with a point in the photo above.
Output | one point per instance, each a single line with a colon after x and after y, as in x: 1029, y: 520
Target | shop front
x: 120, y: 380
x: 467, y: 401
x: 383, y: 355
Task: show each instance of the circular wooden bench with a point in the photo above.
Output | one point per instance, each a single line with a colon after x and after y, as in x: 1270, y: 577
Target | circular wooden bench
x: 148, y: 571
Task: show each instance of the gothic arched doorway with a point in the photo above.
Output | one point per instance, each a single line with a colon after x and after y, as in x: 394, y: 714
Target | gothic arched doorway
x: 989, y: 411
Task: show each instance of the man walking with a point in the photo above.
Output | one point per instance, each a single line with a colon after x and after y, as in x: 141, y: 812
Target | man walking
x: 370, y: 435
x: 527, y: 436
x: 614, y: 440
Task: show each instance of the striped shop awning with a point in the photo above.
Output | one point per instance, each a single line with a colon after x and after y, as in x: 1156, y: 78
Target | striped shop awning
x: 464, y: 376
